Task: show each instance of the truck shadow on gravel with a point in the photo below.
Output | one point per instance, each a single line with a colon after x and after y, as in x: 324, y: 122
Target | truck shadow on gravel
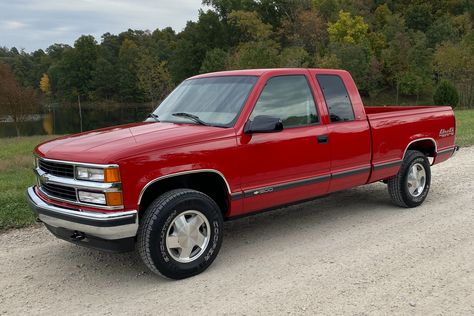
x: 243, y: 238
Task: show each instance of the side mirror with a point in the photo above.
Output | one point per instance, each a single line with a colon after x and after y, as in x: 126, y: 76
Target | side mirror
x: 263, y: 124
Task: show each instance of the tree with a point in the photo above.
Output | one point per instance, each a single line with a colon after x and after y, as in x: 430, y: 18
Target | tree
x: 402, y: 47
x: 215, y: 60
x: 257, y: 49
x: 22, y: 66
x: 348, y: 29
x: 308, y: 30
x: 381, y: 16
x: 395, y: 60
x: 249, y: 26
x: 328, y: 9
x: 355, y: 58
x: 409, y: 83
x: 224, y: 7
x: 441, y: 30
x: 106, y: 79
x: 419, y: 17
x: 193, y: 43
x: 44, y: 85
x: 56, y: 51
x: 262, y: 54
x: 163, y: 43
x: 446, y: 94
x: 127, y: 68
x: 154, y: 78
x: 294, y: 57
x: 75, y: 71
x: 453, y: 62
x: 329, y: 60
x: 16, y: 101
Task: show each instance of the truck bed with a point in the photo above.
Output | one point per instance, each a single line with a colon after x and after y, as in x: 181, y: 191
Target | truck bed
x: 393, y: 129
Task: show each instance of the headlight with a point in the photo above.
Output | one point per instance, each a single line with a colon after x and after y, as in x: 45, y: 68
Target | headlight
x: 97, y: 174
x: 92, y: 174
x: 92, y: 197
x: 108, y: 198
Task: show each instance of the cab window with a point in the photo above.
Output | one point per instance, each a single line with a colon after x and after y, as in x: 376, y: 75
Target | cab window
x: 337, y: 99
x: 288, y: 98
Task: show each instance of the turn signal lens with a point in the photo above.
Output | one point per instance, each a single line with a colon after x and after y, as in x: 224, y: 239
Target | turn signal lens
x: 114, y: 198
x: 111, y: 175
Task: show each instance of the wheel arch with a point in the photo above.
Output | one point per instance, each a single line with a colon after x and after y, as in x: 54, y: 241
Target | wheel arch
x: 208, y: 181
x: 427, y: 146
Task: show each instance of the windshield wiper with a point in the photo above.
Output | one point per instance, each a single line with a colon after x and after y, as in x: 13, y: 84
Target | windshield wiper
x: 153, y: 116
x: 190, y: 116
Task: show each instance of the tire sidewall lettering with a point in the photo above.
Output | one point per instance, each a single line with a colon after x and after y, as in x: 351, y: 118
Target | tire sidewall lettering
x: 164, y: 230
x: 215, y: 240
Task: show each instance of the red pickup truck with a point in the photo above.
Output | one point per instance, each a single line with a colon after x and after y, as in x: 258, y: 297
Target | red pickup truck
x: 227, y: 144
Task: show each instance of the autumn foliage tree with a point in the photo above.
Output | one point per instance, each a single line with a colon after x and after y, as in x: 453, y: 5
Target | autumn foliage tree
x: 16, y: 102
x: 396, y: 50
x: 44, y: 85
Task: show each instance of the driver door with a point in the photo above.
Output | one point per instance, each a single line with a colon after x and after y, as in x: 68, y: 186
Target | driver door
x: 288, y: 165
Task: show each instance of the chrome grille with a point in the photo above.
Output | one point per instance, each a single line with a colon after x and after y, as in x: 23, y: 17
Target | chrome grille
x: 57, y: 180
x: 56, y: 169
x: 59, y: 191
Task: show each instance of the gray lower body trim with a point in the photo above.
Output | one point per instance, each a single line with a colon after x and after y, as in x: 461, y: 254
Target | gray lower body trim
x: 285, y: 186
x: 348, y: 173
x: 450, y: 150
x: 295, y: 184
x: 386, y: 165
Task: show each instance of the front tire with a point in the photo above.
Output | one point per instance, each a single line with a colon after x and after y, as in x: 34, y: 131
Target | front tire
x: 411, y: 185
x: 180, y: 234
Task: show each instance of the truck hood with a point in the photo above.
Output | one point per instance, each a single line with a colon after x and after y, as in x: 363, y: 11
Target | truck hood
x: 108, y: 145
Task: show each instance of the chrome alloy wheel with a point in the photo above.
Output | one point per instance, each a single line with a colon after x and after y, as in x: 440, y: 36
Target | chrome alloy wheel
x: 188, y: 236
x: 416, y: 179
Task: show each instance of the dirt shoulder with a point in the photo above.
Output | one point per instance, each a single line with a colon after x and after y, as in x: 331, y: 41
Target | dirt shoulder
x: 348, y: 253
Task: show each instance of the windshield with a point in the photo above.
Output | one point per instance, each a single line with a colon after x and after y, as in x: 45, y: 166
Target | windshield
x: 215, y: 101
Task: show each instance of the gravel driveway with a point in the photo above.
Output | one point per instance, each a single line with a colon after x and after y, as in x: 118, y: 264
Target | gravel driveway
x: 349, y: 253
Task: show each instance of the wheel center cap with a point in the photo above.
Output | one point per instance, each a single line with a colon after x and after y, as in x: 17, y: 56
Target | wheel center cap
x: 187, y: 237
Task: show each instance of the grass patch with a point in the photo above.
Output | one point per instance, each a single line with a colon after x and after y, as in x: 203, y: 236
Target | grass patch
x: 464, y: 127
x: 16, y: 175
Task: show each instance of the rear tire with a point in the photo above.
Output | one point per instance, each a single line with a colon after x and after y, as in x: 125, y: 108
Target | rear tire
x: 411, y: 185
x: 180, y: 234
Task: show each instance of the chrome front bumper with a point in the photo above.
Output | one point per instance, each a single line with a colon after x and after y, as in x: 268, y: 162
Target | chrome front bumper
x: 109, y: 226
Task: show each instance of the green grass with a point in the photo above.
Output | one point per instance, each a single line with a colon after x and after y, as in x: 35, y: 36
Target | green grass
x: 464, y: 127
x: 16, y: 175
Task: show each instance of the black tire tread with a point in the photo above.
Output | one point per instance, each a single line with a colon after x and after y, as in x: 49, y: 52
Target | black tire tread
x: 151, y: 215
x: 395, y: 183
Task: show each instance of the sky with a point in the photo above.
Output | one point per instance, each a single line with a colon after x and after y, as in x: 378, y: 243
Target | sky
x: 34, y: 24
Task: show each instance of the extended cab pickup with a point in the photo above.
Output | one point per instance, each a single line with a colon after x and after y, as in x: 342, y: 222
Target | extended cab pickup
x: 226, y: 144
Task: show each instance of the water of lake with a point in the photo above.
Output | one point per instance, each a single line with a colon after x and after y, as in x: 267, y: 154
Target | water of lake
x: 64, y: 119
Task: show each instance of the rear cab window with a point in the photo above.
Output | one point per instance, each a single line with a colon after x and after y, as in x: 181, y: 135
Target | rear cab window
x: 337, y: 99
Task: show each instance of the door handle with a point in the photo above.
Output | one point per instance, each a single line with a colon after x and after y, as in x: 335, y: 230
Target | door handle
x: 323, y: 139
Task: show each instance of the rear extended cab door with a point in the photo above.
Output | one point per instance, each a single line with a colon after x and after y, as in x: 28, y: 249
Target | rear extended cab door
x: 348, y: 128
